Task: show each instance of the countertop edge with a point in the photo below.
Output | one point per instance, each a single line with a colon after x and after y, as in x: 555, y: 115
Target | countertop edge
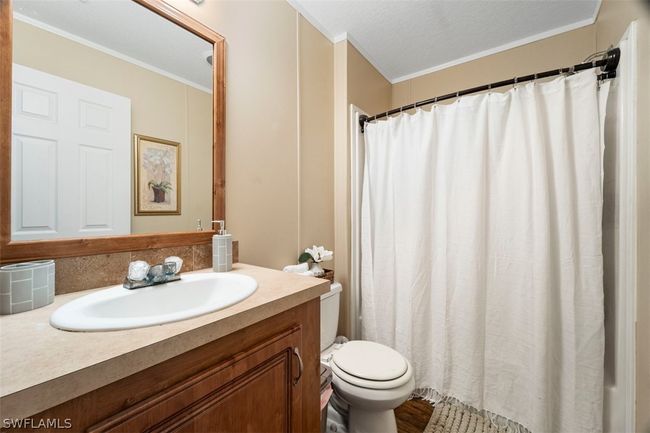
x: 93, y: 377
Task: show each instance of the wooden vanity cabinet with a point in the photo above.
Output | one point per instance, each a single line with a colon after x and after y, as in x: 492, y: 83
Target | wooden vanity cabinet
x: 257, y: 390
x: 264, y: 378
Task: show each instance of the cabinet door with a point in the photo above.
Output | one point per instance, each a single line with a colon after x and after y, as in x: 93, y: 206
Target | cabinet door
x: 257, y: 391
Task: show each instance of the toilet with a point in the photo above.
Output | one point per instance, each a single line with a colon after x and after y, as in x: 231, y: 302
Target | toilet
x: 369, y: 379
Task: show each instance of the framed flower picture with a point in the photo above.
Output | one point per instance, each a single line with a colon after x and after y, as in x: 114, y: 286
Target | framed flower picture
x: 157, y: 176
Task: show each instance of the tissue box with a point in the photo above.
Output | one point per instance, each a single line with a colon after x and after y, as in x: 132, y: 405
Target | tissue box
x: 26, y: 286
x: 328, y: 275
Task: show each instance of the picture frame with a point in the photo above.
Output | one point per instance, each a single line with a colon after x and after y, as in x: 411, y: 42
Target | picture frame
x: 157, y: 175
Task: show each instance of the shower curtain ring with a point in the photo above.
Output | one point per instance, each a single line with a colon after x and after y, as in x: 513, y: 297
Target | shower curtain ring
x: 514, y: 83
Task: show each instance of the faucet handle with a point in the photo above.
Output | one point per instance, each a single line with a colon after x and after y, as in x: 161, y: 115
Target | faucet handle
x: 138, y: 270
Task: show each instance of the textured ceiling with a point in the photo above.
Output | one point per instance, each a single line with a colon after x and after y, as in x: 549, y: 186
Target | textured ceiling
x: 126, y: 28
x: 405, y: 38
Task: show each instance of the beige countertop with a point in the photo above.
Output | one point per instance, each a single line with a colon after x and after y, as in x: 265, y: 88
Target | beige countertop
x: 41, y: 366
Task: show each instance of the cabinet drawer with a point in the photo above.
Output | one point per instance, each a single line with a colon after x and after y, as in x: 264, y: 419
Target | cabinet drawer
x: 257, y: 390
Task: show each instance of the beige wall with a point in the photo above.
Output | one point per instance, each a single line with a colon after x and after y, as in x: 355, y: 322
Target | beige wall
x: 316, y: 138
x: 367, y: 88
x: 567, y: 49
x: 262, y: 195
x: 160, y: 107
x: 564, y: 49
x: 279, y: 117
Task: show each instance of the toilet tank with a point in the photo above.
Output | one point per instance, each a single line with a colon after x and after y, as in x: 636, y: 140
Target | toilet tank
x: 329, y: 315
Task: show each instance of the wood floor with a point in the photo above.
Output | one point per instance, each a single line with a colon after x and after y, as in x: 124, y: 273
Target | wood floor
x: 413, y: 416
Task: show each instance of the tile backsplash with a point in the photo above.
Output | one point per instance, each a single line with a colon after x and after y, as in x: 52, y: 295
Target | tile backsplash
x: 89, y: 272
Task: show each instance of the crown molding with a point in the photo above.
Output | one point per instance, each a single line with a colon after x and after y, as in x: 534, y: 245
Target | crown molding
x: 499, y: 49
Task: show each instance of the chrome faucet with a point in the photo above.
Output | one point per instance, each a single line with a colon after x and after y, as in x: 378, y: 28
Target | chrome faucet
x: 142, y: 275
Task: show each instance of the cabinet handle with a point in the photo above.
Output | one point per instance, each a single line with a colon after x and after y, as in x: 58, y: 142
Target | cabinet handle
x: 300, y: 365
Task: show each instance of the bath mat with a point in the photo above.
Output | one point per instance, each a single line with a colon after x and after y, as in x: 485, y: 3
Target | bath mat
x: 449, y: 417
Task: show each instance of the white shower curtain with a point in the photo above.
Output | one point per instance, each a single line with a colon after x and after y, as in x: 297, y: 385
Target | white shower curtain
x: 481, y: 250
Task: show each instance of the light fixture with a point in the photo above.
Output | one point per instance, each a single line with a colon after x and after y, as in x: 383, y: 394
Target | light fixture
x: 198, y: 2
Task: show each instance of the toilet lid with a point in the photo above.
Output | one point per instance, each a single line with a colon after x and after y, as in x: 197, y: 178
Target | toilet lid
x: 370, y: 361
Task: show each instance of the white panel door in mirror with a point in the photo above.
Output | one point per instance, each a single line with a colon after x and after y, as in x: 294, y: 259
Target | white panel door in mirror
x: 34, y: 185
x: 94, y: 116
x: 84, y: 188
x: 34, y: 102
x: 96, y: 188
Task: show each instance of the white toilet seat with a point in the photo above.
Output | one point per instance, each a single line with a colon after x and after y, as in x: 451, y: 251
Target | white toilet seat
x: 387, y: 370
x: 387, y: 364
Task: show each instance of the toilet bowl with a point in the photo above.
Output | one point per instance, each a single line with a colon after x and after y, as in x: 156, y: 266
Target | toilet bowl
x: 370, y: 378
x: 373, y: 379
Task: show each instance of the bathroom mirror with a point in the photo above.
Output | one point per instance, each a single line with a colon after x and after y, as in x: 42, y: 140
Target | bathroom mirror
x: 111, y: 126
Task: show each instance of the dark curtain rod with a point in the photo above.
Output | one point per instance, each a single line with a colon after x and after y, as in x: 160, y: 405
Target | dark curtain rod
x: 608, y: 64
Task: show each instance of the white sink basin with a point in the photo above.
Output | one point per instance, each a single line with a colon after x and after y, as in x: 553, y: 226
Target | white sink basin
x: 119, y: 308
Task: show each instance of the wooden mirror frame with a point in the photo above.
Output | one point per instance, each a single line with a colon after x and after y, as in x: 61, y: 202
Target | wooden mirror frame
x: 14, y: 251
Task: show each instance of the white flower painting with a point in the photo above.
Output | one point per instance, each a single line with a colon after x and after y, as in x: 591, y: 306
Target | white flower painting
x: 157, y: 173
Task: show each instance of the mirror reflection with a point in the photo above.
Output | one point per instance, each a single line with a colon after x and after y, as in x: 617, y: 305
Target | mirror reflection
x: 111, y: 121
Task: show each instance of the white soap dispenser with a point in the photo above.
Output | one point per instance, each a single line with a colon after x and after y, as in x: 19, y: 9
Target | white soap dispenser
x: 221, y: 249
